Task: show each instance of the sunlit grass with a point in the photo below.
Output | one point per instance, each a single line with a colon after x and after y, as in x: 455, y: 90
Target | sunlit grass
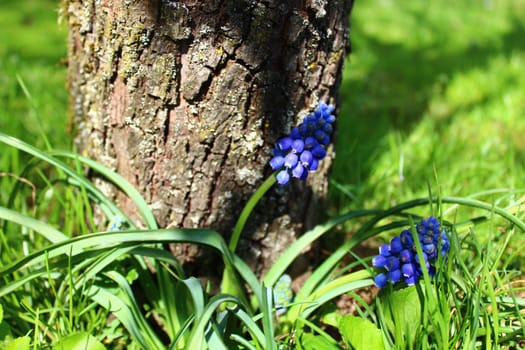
x: 431, y: 88
x: 32, y: 72
x: 433, y: 93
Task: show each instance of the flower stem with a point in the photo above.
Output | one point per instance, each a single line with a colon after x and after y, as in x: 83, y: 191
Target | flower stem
x: 246, y: 211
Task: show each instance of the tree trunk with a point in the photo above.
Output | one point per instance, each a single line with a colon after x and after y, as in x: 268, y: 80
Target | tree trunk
x: 186, y: 98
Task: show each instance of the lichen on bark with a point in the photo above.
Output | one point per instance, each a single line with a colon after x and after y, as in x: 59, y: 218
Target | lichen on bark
x: 186, y: 98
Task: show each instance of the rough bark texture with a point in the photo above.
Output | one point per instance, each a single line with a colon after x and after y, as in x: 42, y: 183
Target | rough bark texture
x: 186, y: 98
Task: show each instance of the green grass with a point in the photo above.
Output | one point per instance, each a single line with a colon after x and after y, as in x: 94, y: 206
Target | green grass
x: 432, y: 87
x: 433, y: 93
x: 32, y: 56
x: 33, y: 91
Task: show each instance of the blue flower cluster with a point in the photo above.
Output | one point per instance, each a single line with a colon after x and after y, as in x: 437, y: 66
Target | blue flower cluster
x: 300, y: 152
x: 399, y: 259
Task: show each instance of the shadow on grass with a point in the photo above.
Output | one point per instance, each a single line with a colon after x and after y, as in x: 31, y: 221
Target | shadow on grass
x: 395, y: 90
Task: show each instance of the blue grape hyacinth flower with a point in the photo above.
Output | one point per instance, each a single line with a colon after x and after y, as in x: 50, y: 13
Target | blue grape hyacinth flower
x: 299, y: 153
x: 399, y: 260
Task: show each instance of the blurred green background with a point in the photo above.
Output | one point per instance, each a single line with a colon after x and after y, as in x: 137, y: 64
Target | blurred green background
x: 432, y: 88
x: 32, y: 72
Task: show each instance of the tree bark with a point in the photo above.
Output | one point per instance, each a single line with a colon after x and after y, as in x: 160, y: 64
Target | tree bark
x: 186, y: 98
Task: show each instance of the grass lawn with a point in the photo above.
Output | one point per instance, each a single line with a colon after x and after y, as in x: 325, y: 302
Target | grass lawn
x: 433, y: 98
x: 32, y: 72
x: 432, y: 89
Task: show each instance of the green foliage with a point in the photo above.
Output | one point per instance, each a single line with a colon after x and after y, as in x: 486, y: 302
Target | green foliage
x: 360, y: 334
x: 78, y: 341
x: 20, y: 343
x: 33, y: 93
x: 432, y: 94
x: 402, y: 313
x: 309, y: 341
x: 431, y: 87
x: 93, y: 275
x: 7, y: 342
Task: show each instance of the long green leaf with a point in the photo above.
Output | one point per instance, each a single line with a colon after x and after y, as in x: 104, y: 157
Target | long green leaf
x: 329, y: 291
x: 181, y: 301
x: 103, y: 259
x: 247, y: 210
x: 22, y: 281
x: 296, y: 248
x: 250, y: 279
x: 119, y: 181
x: 267, y: 313
x: 126, y: 310
x: 179, y: 336
x: 244, y: 342
x: 161, y: 255
x: 214, y: 337
x: 366, y: 232
x: 197, y: 338
x: 252, y: 327
x: 111, y: 239
x: 107, y: 205
x: 197, y: 294
x: 45, y: 230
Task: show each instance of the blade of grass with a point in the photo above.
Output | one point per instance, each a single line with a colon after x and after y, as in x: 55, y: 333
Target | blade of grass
x: 22, y: 281
x: 45, y: 230
x: 111, y: 239
x: 331, y: 290
x: 197, y: 294
x: 297, y: 247
x: 125, y: 308
x: 241, y: 340
x: 267, y: 317
x: 197, y: 336
x: 107, y: 205
x: 252, y: 327
x: 183, y: 329
x: 160, y: 255
x: 118, y: 181
x: 365, y: 232
x: 248, y: 208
